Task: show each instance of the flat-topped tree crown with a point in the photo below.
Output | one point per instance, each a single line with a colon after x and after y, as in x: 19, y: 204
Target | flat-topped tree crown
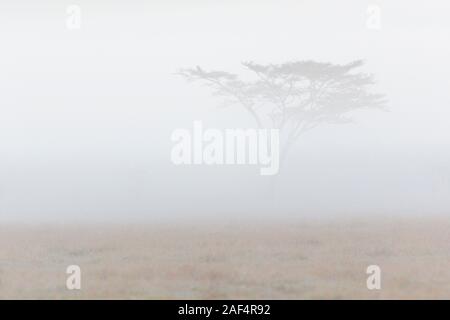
x: 295, y: 96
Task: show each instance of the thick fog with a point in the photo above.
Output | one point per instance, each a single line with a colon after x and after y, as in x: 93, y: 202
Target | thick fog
x: 87, y: 114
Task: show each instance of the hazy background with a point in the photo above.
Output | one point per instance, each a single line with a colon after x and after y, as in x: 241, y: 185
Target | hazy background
x: 86, y: 115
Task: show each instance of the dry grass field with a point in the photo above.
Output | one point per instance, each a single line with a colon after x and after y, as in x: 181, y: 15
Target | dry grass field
x: 296, y: 260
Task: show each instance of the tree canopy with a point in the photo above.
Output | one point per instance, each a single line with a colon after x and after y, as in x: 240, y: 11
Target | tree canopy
x: 294, y: 96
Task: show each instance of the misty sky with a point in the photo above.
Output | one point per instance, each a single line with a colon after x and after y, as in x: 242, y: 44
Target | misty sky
x: 86, y: 115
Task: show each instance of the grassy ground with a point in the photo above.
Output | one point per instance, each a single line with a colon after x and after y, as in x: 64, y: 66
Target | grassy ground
x: 297, y: 260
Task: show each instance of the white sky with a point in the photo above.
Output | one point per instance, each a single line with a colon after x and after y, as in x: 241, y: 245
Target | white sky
x: 86, y: 115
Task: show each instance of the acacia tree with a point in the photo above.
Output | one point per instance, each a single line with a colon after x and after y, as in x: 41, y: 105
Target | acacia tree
x: 294, y: 97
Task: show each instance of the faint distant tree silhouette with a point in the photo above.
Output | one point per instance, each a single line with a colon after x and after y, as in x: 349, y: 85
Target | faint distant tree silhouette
x: 295, y: 96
